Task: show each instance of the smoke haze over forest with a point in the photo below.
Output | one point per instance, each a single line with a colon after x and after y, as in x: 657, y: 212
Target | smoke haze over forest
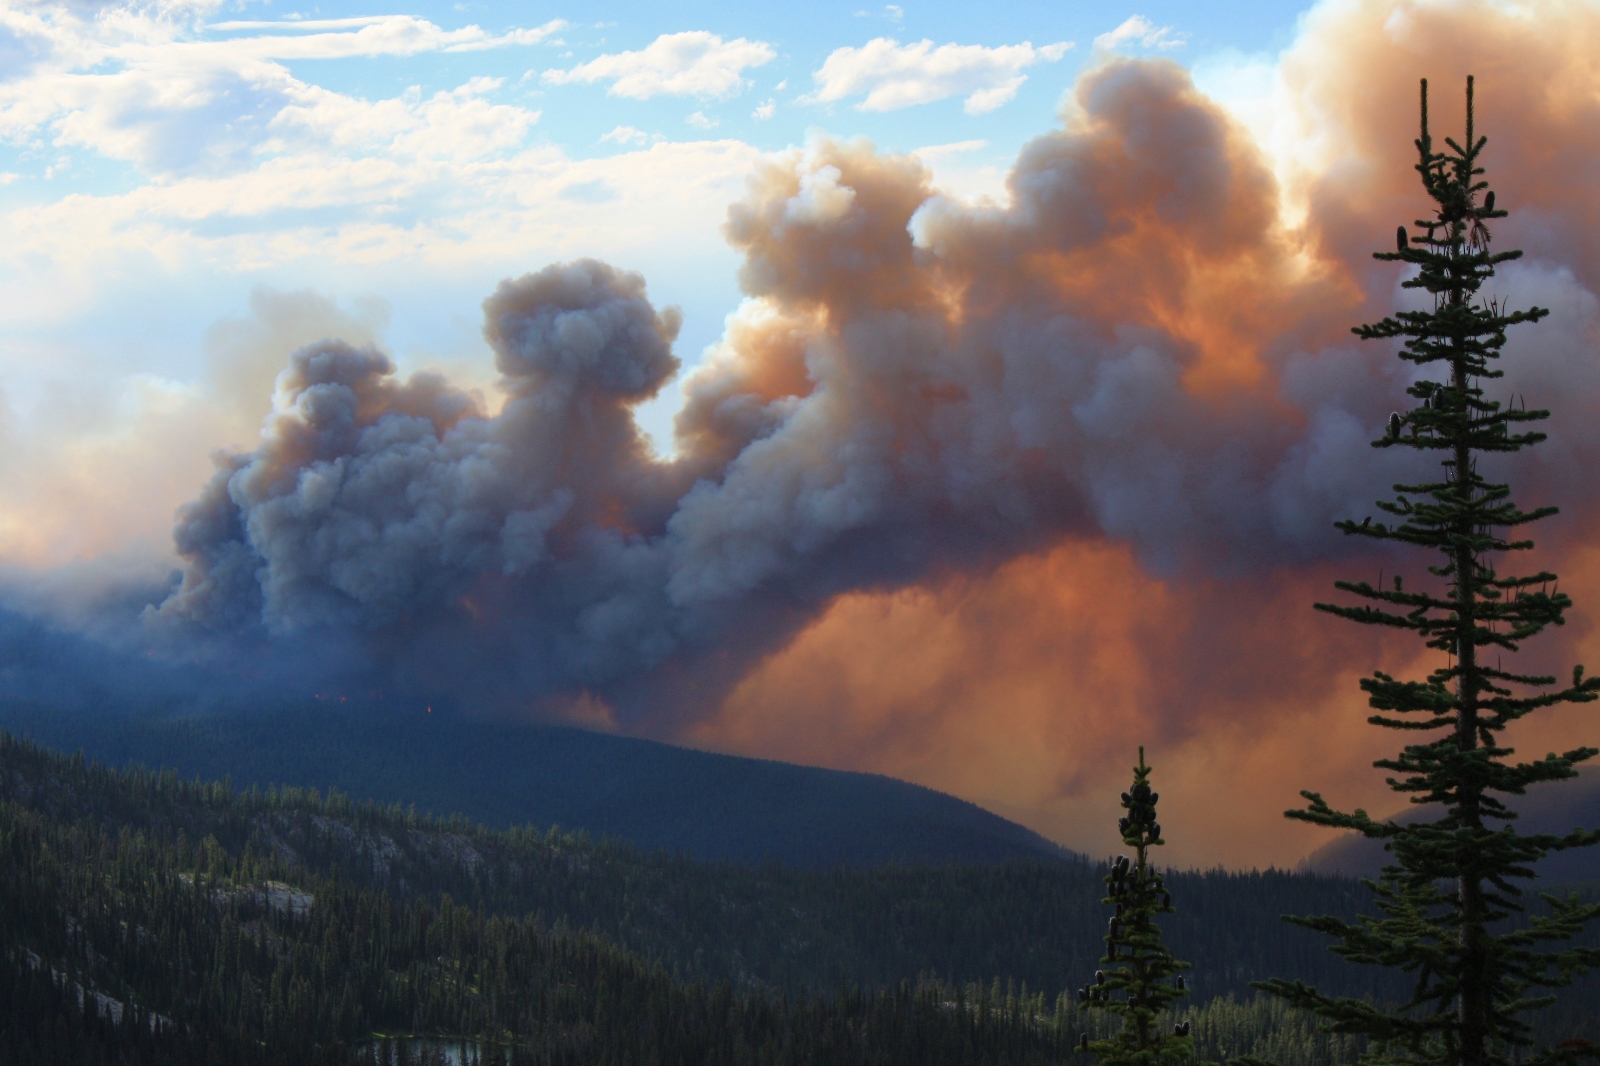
x: 980, y: 493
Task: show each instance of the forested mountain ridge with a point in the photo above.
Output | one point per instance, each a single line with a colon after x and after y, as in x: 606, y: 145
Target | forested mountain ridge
x: 1038, y: 922
x: 206, y: 964
x: 504, y: 774
x: 288, y: 927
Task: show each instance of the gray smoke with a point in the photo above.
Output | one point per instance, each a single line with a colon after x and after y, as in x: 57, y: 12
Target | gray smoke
x: 1133, y: 349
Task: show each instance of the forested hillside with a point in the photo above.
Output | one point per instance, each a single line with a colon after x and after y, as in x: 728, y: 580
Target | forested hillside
x: 509, y: 773
x: 1038, y: 922
x: 290, y: 927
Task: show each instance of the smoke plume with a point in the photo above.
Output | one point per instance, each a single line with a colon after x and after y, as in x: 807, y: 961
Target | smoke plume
x: 982, y: 495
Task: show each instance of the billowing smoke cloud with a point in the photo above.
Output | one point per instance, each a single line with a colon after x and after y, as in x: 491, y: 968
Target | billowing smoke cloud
x: 1087, y: 444
x: 374, y: 504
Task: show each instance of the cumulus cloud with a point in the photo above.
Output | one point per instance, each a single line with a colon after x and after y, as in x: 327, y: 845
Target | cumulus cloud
x: 696, y: 63
x: 890, y: 75
x: 163, y: 92
x: 1137, y: 29
x: 460, y: 124
x: 250, y: 167
x: 625, y: 135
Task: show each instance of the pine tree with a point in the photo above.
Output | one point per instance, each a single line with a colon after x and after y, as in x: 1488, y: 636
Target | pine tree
x: 1141, y: 978
x: 1452, y: 916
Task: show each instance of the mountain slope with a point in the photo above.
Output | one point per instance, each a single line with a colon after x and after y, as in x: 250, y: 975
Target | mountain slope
x: 124, y: 938
x: 108, y: 874
x: 653, y: 795
x: 1037, y: 921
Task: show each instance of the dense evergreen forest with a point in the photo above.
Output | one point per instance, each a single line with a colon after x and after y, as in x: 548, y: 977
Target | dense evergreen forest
x: 148, y: 919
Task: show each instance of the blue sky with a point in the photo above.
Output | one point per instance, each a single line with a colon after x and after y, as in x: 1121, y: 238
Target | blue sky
x: 161, y: 165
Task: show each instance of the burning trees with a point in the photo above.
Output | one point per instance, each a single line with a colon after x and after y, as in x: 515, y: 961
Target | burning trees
x: 1141, y: 979
x: 1447, y: 896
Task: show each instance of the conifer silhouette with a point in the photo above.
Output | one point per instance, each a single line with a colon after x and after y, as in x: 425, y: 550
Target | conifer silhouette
x: 1141, y: 978
x: 1453, y: 916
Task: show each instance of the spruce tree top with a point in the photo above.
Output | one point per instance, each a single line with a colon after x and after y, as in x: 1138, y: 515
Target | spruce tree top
x: 1455, y: 873
x: 1141, y: 979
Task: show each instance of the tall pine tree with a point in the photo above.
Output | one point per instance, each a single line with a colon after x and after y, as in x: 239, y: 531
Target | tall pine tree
x: 1141, y: 979
x: 1446, y: 898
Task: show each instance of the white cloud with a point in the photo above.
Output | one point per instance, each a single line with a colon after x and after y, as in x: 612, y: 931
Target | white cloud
x: 8, y: 176
x: 457, y: 125
x: 891, y: 75
x: 700, y: 121
x: 386, y: 208
x: 389, y: 35
x: 466, y: 39
x: 534, y: 35
x: 676, y: 64
x: 765, y: 110
x: 1141, y: 31
x: 299, y: 24
x: 933, y: 152
x: 625, y: 135
x: 161, y: 95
